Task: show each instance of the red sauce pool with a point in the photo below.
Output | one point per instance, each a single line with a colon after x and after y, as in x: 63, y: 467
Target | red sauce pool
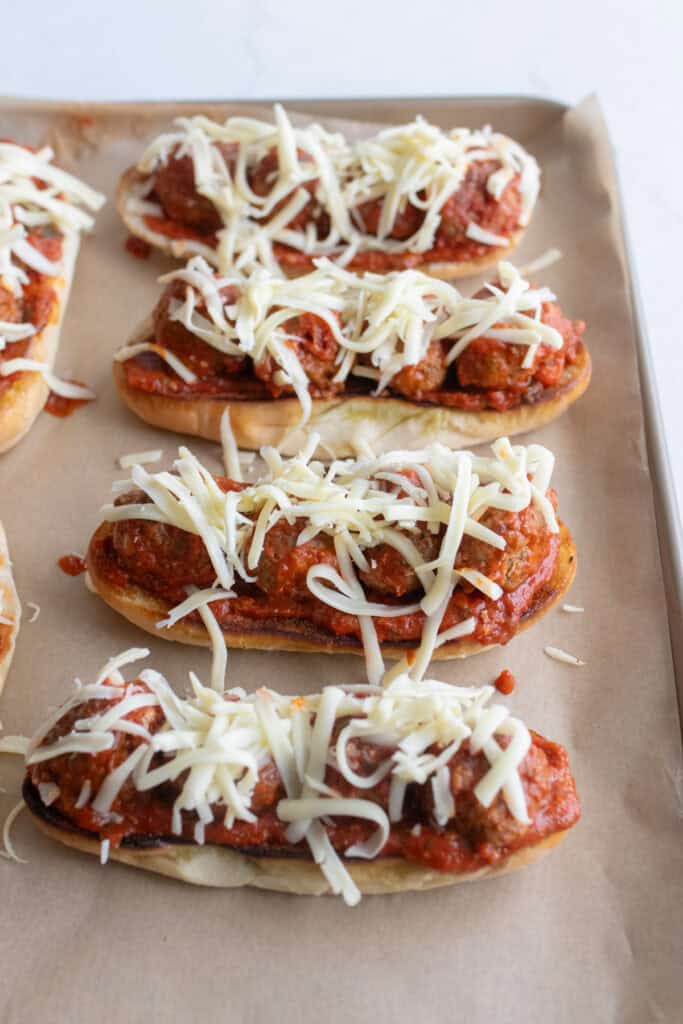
x: 138, y: 247
x: 505, y: 682
x: 72, y: 565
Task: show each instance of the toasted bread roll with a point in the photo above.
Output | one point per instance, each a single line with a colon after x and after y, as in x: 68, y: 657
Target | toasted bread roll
x: 354, y: 790
x: 450, y: 203
x: 386, y: 361
x: 40, y: 210
x: 408, y: 555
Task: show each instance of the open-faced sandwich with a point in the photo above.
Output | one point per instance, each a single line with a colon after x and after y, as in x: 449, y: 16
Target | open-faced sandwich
x: 354, y: 790
x: 407, y: 555
x: 450, y: 202
x: 41, y: 217
x: 10, y: 609
x: 395, y: 361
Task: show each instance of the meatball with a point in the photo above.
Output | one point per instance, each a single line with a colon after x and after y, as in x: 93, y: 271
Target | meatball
x: 420, y: 379
x: 262, y: 178
x: 174, y: 185
x: 473, y: 203
x: 526, y: 540
x: 316, y: 349
x: 495, y: 365
x: 549, y: 363
x: 408, y: 219
x: 203, y: 359
x: 364, y: 758
x: 69, y: 770
x: 390, y: 573
x: 283, y: 565
x: 491, y: 364
x: 495, y: 824
x: 161, y: 559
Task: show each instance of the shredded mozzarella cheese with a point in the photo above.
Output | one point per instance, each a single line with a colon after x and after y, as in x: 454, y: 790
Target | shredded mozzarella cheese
x: 13, y: 745
x: 8, y: 850
x: 547, y: 259
x: 557, y: 654
x: 140, y: 458
x: 231, y: 455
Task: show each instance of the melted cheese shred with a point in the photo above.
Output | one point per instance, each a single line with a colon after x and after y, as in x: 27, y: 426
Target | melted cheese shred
x: 381, y: 322
x: 218, y: 743
x: 417, y: 164
x: 358, y: 503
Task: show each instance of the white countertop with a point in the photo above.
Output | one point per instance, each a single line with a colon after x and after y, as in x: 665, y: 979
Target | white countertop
x: 627, y: 52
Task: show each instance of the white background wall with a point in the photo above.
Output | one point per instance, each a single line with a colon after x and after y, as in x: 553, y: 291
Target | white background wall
x: 630, y: 52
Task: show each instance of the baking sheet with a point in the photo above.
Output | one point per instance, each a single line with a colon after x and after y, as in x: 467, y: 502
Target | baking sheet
x: 590, y: 933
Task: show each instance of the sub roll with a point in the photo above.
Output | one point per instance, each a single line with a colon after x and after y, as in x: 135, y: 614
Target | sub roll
x: 407, y: 555
x: 247, y: 191
x: 398, y: 360
x: 353, y: 790
x: 43, y: 211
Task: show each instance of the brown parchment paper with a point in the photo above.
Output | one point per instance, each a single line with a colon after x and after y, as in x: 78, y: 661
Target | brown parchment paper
x: 593, y: 932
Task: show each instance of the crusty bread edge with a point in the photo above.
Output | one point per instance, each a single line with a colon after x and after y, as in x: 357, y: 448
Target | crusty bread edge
x: 22, y: 401
x: 181, y: 248
x: 10, y: 608
x: 346, y: 423
x: 146, y: 611
x: 224, y: 868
